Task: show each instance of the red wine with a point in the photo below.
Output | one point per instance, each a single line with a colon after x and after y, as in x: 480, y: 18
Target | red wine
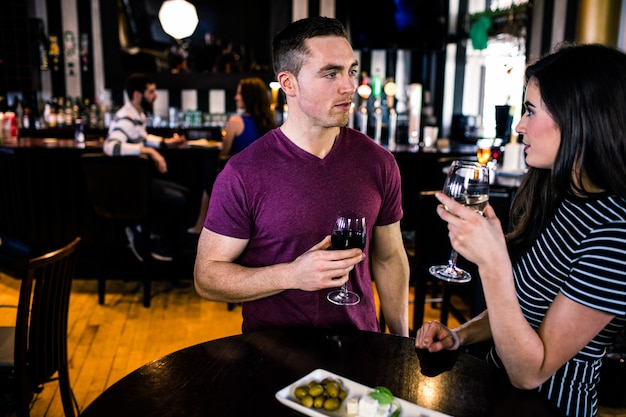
x: 348, y: 239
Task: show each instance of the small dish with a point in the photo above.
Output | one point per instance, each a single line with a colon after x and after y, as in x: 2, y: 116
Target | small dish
x: 354, y: 389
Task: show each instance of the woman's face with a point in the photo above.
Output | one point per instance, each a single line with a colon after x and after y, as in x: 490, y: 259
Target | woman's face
x: 239, y: 100
x: 542, y: 136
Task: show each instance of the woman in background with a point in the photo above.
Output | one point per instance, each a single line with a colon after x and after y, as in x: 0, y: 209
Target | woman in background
x: 255, y: 118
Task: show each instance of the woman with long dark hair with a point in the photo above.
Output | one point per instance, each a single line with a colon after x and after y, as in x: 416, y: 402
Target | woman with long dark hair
x: 555, y: 286
x: 255, y: 118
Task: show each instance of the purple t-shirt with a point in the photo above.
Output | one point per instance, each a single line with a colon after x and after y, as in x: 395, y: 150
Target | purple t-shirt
x: 285, y: 200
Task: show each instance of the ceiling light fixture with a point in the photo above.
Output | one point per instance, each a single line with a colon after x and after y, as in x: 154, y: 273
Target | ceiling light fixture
x: 178, y: 18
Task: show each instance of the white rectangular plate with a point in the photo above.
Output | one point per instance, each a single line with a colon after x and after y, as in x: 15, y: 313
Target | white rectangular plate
x: 354, y: 389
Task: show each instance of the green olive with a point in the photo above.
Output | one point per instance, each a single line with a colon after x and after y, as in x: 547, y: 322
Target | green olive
x: 318, y: 402
x: 343, y: 394
x: 316, y: 390
x: 301, y: 392
x: 333, y: 389
x: 307, y: 401
x: 332, y: 404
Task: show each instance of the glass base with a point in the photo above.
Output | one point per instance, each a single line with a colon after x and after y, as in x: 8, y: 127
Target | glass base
x: 343, y: 298
x: 450, y: 273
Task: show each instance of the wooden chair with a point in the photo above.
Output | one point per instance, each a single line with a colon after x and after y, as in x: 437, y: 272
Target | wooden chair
x: 119, y: 188
x: 36, y: 348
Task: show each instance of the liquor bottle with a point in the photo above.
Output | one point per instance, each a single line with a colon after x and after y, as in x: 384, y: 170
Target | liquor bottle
x: 49, y: 117
x: 26, y: 118
x: 79, y: 134
x: 68, y: 112
x: 94, y: 116
x: 54, y: 52
x: 60, y: 112
x: 10, y: 126
x: 19, y: 113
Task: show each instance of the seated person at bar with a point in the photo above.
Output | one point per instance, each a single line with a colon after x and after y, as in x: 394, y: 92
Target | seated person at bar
x: 272, y: 209
x: 555, y: 285
x: 252, y: 99
x: 128, y: 136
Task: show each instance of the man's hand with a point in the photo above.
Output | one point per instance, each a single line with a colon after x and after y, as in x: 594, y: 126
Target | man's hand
x: 174, y: 140
x: 320, y: 268
x: 156, y: 157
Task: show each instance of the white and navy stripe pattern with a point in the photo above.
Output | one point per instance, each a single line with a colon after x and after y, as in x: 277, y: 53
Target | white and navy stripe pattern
x: 582, y: 253
x: 127, y: 133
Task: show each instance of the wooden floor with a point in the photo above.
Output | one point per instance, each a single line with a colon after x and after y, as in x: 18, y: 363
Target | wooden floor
x: 107, y: 342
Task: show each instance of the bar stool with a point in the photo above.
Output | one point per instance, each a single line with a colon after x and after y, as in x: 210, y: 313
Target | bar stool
x: 119, y: 187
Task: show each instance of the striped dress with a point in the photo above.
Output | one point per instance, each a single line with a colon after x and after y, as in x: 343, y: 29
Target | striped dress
x: 582, y: 253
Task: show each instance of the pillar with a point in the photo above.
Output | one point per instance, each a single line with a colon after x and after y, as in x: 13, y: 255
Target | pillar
x: 598, y: 22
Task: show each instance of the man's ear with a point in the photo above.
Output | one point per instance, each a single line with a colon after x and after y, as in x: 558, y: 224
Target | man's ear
x: 287, y: 82
x: 136, y: 98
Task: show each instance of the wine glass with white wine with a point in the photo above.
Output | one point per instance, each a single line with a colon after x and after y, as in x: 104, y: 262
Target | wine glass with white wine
x: 468, y: 183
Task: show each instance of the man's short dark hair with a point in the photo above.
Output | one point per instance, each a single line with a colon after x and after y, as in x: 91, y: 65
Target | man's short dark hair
x: 137, y: 82
x: 288, y: 47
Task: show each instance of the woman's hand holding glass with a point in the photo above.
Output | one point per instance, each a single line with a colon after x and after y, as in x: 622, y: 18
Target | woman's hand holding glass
x: 479, y: 239
x: 467, y: 182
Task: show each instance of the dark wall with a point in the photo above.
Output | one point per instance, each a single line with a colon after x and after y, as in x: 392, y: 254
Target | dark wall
x: 248, y: 24
x: 19, y: 48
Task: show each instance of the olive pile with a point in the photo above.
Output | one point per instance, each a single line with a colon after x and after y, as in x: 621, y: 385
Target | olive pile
x: 327, y: 394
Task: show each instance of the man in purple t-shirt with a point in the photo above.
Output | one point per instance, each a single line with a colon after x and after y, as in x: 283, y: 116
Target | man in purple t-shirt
x: 272, y: 208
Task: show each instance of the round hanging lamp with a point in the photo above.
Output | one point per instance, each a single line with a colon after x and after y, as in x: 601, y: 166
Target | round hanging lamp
x: 178, y: 18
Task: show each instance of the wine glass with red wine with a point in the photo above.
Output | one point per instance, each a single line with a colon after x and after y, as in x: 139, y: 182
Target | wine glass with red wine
x: 348, y: 233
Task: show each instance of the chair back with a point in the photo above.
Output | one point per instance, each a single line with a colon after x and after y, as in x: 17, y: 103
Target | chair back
x: 40, y: 348
x: 119, y: 186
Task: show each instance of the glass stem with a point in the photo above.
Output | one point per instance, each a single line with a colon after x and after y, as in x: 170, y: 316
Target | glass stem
x: 452, y: 260
x: 344, y: 287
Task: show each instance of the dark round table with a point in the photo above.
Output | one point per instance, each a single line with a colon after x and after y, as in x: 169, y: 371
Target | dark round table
x: 240, y: 375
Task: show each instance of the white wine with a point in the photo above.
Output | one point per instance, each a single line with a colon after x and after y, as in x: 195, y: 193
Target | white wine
x: 476, y: 202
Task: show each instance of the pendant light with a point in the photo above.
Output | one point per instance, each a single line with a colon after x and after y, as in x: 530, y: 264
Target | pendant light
x: 178, y: 18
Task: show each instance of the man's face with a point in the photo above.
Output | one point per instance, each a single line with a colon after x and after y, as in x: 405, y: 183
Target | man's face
x: 148, y: 97
x: 326, y: 82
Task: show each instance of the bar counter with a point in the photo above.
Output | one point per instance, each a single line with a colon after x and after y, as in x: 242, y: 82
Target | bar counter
x: 44, y: 201
x: 45, y: 204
